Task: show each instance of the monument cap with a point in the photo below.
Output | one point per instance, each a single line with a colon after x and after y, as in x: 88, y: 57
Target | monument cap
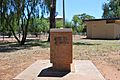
x: 61, y: 30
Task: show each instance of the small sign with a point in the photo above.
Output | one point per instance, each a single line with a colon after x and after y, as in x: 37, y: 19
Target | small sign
x: 61, y: 40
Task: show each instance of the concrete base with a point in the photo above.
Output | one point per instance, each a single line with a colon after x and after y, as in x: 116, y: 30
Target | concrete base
x: 42, y: 70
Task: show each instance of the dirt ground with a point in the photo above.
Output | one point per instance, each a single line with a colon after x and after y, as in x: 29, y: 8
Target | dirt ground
x: 14, y: 61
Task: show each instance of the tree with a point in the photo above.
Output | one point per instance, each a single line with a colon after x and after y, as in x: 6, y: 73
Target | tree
x: 39, y: 26
x: 51, y: 4
x: 111, y: 9
x: 75, y: 21
x: 106, y: 11
x: 59, y: 23
x: 70, y: 25
x: 52, y: 14
x: 78, y: 23
x: 19, y: 13
x: 50, y: 7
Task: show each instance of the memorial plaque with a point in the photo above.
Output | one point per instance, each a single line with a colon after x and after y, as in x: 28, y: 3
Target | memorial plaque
x: 61, y: 48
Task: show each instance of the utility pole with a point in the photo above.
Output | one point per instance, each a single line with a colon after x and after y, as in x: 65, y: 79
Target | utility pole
x: 63, y: 13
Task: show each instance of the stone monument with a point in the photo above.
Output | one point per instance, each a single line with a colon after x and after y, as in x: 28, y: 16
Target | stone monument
x: 61, y: 48
x: 61, y: 59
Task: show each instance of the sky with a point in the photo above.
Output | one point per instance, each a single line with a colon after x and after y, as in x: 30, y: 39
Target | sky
x: 74, y: 7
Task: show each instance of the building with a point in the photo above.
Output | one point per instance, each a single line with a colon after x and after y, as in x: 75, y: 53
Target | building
x: 58, y: 17
x: 103, y: 28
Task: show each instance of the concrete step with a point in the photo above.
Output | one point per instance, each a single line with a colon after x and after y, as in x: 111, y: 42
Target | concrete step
x: 42, y: 70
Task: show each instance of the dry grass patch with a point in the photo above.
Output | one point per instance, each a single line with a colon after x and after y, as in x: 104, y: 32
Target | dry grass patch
x: 104, y: 53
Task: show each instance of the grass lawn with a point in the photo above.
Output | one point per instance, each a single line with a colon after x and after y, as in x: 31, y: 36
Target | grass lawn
x: 90, y: 49
x: 105, y: 54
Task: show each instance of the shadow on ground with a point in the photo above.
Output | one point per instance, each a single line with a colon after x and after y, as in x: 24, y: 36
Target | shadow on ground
x: 50, y: 72
x: 84, y: 43
x: 13, y: 46
x: 43, y: 44
x: 100, y: 39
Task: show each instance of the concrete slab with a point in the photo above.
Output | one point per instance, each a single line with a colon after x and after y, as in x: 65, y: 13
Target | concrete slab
x: 42, y: 70
x: 33, y: 71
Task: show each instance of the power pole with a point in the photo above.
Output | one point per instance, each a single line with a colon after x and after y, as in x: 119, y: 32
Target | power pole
x: 63, y: 13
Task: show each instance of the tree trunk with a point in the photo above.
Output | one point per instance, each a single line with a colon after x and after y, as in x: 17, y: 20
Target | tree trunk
x: 24, y: 36
x: 25, y: 30
x: 14, y: 34
x: 12, y: 30
x: 52, y: 16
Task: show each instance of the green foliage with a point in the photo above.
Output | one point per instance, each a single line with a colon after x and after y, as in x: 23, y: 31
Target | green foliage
x: 111, y: 9
x: 78, y: 23
x: 18, y: 15
x: 47, y: 2
x: 106, y: 11
x: 59, y: 23
x: 85, y: 16
x: 39, y: 26
x: 43, y: 25
x: 68, y: 25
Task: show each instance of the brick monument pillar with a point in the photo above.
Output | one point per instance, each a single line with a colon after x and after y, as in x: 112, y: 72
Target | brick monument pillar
x: 61, y: 48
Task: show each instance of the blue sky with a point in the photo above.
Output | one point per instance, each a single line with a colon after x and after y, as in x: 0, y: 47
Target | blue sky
x: 73, y: 7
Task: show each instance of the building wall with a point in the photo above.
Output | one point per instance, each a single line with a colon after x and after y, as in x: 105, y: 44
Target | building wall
x: 109, y: 30
x: 101, y: 30
x: 89, y: 30
x: 117, y: 31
